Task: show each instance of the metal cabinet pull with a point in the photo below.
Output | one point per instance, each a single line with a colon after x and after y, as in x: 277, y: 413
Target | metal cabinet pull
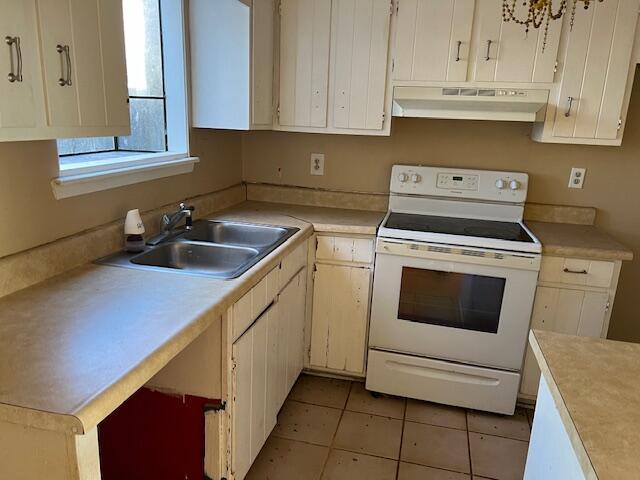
x: 14, y: 75
x: 488, y: 57
x: 65, y: 57
x: 459, y: 43
x: 578, y: 272
x: 569, y: 105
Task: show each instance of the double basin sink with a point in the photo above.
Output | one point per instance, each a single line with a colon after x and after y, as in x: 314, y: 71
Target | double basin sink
x: 217, y: 249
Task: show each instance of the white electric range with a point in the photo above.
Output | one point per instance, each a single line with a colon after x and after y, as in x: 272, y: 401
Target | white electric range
x: 455, y: 278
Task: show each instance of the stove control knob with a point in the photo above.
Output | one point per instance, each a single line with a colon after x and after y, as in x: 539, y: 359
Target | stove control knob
x: 403, y: 177
x: 514, y: 185
x: 415, y: 178
x: 501, y: 184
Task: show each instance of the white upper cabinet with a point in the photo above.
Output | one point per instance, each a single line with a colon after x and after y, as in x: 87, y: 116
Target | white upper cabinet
x: 589, y: 102
x: 73, y: 34
x: 232, y: 50
x: 467, y: 41
x: 361, y: 45
x: 504, y: 52
x: 80, y: 46
x: 433, y: 40
x: 305, y: 33
x: 21, y: 97
x: 334, y: 66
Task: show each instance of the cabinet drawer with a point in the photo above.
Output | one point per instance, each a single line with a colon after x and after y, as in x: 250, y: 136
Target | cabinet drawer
x: 573, y: 271
x: 292, y: 263
x: 253, y: 303
x: 344, y: 249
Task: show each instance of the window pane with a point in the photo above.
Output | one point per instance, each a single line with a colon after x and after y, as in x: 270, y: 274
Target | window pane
x: 144, y: 47
x: 73, y: 146
x: 147, y: 126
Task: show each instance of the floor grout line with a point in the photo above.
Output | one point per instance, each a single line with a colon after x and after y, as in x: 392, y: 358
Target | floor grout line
x: 333, y: 438
x: 404, y: 420
x: 466, y: 421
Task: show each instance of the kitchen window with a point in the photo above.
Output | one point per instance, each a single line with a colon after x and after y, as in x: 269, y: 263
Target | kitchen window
x: 158, y: 144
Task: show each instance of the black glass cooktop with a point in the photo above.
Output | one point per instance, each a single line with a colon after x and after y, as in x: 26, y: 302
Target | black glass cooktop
x: 459, y: 226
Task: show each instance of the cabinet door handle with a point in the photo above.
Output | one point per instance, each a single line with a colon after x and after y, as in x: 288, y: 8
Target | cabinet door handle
x: 569, y: 105
x: 577, y: 272
x: 65, y: 59
x: 459, y: 43
x: 14, y: 76
x: 488, y: 56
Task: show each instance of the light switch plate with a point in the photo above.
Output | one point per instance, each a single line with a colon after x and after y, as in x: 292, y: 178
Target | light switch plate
x: 576, y: 180
x: 317, y: 164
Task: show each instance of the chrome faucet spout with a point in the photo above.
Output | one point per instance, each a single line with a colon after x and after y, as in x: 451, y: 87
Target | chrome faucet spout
x: 169, y: 222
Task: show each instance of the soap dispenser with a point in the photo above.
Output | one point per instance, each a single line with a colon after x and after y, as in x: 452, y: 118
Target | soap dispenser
x: 133, y: 230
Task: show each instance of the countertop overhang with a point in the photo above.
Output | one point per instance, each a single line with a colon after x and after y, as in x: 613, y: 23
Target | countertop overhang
x: 595, y: 385
x: 74, y: 347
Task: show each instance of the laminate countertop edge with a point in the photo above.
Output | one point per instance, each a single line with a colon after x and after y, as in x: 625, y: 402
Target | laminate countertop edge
x: 572, y: 432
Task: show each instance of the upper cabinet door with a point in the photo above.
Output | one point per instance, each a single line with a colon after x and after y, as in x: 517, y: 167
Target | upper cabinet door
x: 361, y: 44
x: 595, y: 67
x: 305, y: 31
x: 503, y: 52
x: 83, y: 57
x: 433, y: 40
x: 58, y: 55
x: 20, y: 73
x: 262, y: 58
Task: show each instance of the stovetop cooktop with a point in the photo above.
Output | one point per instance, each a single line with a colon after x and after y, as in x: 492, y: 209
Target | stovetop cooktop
x: 459, y: 226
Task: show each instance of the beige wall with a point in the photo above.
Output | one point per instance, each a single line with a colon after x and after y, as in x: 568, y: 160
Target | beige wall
x: 364, y: 164
x: 30, y: 215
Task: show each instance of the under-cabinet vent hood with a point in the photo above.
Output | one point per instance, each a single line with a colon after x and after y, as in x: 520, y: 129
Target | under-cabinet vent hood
x: 470, y: 103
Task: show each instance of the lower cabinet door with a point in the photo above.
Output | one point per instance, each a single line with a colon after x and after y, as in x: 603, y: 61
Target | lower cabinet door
x: 249, y: 397
x: 340, y: 314
x: 267, y: 360
x: 563, y: 310
x: 294, y: 296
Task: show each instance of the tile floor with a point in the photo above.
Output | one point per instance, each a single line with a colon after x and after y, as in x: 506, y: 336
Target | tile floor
x: 334, y: 429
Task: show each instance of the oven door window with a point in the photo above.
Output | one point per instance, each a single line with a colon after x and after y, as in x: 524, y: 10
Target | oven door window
x: 457, y: 300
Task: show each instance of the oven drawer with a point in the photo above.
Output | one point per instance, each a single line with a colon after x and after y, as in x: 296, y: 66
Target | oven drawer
x: 442, y: 382
x: 573, y: 271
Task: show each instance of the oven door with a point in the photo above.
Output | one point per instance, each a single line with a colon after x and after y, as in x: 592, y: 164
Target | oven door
x: 454, y: 303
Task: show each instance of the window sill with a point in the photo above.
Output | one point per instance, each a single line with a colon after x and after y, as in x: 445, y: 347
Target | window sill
x: 80, y: 181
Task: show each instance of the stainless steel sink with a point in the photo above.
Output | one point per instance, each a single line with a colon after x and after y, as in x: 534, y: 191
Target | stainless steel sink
x: 231, y: 233
x: 194, y: 257
x: 212, y: 248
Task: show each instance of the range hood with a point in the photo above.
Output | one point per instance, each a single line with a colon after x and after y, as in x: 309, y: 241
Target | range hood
x: 466, y: 103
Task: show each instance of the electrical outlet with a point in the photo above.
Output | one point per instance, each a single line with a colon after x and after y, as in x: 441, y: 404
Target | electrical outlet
x: 576, y: 180
x: 317, y: 164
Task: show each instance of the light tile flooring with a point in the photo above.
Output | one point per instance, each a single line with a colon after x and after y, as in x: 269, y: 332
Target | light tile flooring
x: 334, y: 429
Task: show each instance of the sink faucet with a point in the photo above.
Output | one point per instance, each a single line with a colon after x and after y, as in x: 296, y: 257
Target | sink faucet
x: 170, y: 220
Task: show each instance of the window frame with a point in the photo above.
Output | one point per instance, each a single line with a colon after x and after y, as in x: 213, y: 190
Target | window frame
x: 76, y: 179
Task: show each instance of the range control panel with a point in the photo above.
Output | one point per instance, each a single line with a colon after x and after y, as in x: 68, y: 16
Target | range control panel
x: 454, y: 181
x: 459, y: 183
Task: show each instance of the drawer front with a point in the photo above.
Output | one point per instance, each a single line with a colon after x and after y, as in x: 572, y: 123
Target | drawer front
x: 344, y: 249
x: 253, y: 303
x: 573, y: 271
x: 442, y: 382
x: 292, y: 263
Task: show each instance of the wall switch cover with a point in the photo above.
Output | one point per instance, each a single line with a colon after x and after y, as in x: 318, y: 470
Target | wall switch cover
x: 317, y: 164
x: 576, y: 180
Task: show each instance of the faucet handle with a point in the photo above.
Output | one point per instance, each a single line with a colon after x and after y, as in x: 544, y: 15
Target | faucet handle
x: 184, y: 206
